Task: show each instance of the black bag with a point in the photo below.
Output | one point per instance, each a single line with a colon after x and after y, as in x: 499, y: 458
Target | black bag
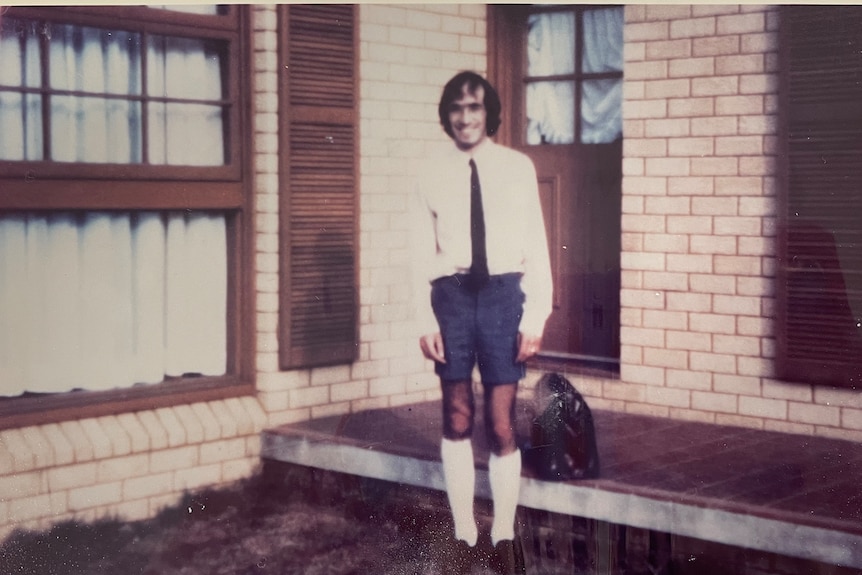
x: 562, y: 434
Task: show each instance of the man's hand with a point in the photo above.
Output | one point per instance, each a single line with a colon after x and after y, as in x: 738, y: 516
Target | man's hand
x: 528, y: 346
x: 432, y: 347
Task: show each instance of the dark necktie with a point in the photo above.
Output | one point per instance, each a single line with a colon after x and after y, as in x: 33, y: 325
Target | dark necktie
x: 479, y: 265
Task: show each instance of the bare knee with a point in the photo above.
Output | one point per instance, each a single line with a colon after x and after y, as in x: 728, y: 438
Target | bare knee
x: 458, y: 411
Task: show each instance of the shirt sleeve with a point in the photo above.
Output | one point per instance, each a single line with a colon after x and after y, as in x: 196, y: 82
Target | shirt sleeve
x: 423, y: 248
x: 537, y: 283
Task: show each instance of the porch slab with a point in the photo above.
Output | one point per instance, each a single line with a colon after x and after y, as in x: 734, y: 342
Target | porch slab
x: 793, y: 495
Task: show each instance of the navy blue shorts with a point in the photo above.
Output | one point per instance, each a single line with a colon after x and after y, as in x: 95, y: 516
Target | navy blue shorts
x: 479, y: 327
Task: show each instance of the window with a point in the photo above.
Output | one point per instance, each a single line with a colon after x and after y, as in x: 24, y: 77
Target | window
x: 122, y: 204
x: 318, y: 209
x: 573, y: 82
x: 820, y: 268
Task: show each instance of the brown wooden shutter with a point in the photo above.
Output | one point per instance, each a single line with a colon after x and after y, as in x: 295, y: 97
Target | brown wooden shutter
x: 318, y: 203
x: 820, y: 271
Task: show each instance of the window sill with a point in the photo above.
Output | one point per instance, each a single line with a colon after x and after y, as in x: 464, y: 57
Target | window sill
x: 41, y: 409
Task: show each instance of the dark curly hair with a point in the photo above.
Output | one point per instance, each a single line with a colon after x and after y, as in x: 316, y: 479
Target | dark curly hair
x: 453, y: 90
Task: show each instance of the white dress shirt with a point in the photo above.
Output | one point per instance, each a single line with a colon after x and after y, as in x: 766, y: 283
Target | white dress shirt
x: 514, y: 227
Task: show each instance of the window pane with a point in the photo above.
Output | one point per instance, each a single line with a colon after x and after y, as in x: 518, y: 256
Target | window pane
x: 95, y: 130
x: 550, y: 113
x: 184, y: 68
x: 20, y: 126
x: 601, y: 111
x: 19, y: 54
x: 603, y: 40
x: 94, y: 60
x: 551, y: 44
x: 186, y: 135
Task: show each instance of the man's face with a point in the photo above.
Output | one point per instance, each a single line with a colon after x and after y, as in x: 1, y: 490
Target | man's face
x: 468, y: 118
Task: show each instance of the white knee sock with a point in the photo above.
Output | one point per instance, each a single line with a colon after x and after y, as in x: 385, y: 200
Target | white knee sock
x: 505, y: 477
x: 459, y: 473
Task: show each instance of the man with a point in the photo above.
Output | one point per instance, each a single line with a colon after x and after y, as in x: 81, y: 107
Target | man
x: 481, y: 260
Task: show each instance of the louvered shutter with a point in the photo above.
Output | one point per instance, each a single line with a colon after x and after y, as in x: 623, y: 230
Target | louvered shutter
x: 318, y: 203
x: 820, y: 271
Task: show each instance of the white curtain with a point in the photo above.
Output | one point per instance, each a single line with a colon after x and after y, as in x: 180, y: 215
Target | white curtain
x: 99, y: 300
x: 550, y: 52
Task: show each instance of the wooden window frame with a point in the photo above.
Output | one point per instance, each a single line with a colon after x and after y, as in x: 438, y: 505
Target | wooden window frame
x: 318, y: 185
x: 48, y: 186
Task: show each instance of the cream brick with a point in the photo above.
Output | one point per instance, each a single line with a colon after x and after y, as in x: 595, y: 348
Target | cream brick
x: 668, y: 49
x: 95, y: 496
x: 336, y: 409
x: 645, y: 147
x: 738, y: 265
x: 754, y: 326
x: 642, y: 223
x: 642, y: 299
x: 632, y: 242
x: 642, y: 261
x: 740, y: 23
x: 19, y: 456
x: 207, y: 419
x: 308, y: 397
x: 736, y: 344
x: 691, y: 380
x: 680, y: 301
x: 224, y: 450
x: 19, y: 485
x: 814, y: 414
x: 119, y: 468
x: 659, y: 90
x: 689, y: 224
x: 631, y: 354
x: 712, y: 323
x: 695, y: 263
x: 646, y: 70
x: 648, y: 410
x: 692, y: 147
x: 700, y: 244
x: 239, y: 469
x: 633, y: 167
x: 715, y: 86
x: 699, y: 10
x: 710, y: 283
x: 758, y: 367
x: 715, y: 402
x: 757, y: 126
x: 349, y: 391
x: 736, y: 305
x: 628, y: 388
x: 121, y: 443
x: 387, y: 386
x: 754, y: 286
x: 194, y: 430
x: 667, y: 12
x: 693, y: 27
x: 672, y: 397
x: 225, y: 418
x: 675, y: 359
x: 851, y: 418
x: 713, y: 362
x: 665, y: 319
x: 155, y: 430
x: 71, y: 476
x: 739, y: 421
x: 717, y: 206
x: 197, y: 477
x: 244, y: 423
x: 646, y: 32
x: 173, y: 427
x: 667, y: 205
x: 713, y: 126
x: 138, y: 438
x: 641, y: 336
x: 98, y: 438
x: 63, y: 452
x: 39, y: 445
x: 667, y: 128
x: 24, y: 509
x: 253, y: 408
x: 172, y: 459
x: 737, y: 384
x: 644, y: 186
x: 759, y: 43
x: 737, y: 226
x: 715, y: 46
x: 658, y: 280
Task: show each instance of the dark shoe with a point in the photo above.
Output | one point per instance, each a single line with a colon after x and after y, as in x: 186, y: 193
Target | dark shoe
x: 459, y: 558
x: 508, y: 558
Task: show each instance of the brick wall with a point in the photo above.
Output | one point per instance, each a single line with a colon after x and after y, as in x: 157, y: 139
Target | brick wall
x: 698, y: 226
